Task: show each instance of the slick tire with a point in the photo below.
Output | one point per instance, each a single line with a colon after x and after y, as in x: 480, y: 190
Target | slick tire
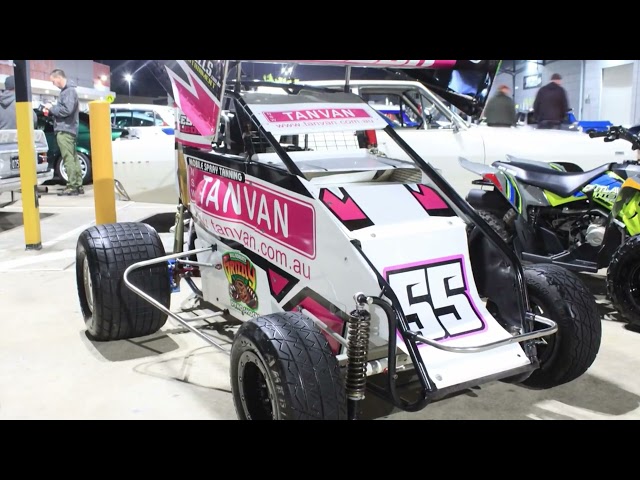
x: 561, y: 296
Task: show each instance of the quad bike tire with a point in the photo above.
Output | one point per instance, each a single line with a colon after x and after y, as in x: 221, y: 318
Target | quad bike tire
x: 85, y: 165
x: 111, y: 310
x: 623, y: 279
x: 561, y: 296
x: 497, y: 224
x: 282, y: 368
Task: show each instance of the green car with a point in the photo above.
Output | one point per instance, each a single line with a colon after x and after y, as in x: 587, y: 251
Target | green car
x: 83, y: 146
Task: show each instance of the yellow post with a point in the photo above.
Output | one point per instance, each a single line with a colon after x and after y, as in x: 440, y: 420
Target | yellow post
x: 102, y: 162
x: 27, y: 156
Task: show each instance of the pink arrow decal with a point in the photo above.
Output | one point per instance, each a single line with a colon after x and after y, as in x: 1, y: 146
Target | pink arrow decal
x: 429, y: 199
x: 345, y: 209
x: 197, y: 104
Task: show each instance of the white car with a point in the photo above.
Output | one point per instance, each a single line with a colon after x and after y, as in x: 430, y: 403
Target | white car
x: 144, y: 118
x: 441, y: 136
x: 144, y: 160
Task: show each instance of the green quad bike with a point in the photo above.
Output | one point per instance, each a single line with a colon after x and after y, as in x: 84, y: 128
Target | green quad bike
x: 583, y: 221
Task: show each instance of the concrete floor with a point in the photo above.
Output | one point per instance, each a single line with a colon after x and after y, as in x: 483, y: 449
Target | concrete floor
x: 50, y: 369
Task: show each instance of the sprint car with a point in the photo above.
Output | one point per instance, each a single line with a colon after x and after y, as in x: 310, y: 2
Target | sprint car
x: 340, y: 266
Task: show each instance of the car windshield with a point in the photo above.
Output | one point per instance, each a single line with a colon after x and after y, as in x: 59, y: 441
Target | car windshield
x: 404, y: 104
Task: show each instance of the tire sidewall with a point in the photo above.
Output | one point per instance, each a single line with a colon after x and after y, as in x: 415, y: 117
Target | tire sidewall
x: 243, y: 345
x: 83, y: 251
x: 563, y: 298
x: 625, y: 260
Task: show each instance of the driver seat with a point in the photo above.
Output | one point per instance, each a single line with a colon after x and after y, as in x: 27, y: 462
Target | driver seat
x: 546, y: 177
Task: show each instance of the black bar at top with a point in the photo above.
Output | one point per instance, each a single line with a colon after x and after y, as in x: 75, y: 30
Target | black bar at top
x: 22, y: 74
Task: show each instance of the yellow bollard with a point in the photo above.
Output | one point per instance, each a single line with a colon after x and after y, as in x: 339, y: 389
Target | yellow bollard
x: 102, y: 162
x: 27, y: 156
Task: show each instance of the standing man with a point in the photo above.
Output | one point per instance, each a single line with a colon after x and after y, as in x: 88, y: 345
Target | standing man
x: 65, y: 126
x: 551, y: 104
x: 501, y: 109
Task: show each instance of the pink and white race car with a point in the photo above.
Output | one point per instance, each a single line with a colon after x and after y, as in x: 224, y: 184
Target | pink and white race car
x: 341, y: 265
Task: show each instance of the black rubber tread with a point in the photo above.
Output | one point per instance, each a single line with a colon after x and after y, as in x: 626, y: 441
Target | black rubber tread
x: 624, y: 260
x: 119, y: 313
x: 306, y: 375
x: 565, y: 299
x: 497, y: 224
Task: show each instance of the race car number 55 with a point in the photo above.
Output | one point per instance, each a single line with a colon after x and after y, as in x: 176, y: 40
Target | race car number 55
x: 435, y: 298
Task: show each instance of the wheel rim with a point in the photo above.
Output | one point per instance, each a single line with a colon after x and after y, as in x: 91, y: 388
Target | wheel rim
x: 633, y: 286
x: 256, y: 397
x: 83, y: 168
x: 545, y: 351
x: 88, y: 285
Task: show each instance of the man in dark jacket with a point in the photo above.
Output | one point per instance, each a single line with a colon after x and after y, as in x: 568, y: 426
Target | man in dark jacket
x: 65, y: 125
x: 501, y: 110
x: 8, y: 106
x: 551, y: 104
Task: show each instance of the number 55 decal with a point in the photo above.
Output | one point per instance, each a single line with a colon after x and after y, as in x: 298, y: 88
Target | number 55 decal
x: 435, y: 298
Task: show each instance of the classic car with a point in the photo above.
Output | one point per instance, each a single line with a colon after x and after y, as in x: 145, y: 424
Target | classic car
x: 442, y: 136
x: 142, y: 151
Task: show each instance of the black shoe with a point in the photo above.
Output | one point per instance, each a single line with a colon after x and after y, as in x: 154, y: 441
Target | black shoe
x: 68, y: 192
x: 81, y: 190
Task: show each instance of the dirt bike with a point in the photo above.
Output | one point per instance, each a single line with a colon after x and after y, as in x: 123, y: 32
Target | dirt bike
x: 581, y: 220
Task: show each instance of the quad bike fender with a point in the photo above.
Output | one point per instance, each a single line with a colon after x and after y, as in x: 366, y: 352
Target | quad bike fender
x: 493, y: 200
x: 627, y: 205
x: 475, y: 167
x: 488, y: 200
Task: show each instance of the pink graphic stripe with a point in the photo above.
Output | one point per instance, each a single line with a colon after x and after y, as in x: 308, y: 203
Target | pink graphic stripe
x: 429, y: 199
x: 201, y: 109
x: 344, y: 209
x: 278, y: 282
x: 335, y: 323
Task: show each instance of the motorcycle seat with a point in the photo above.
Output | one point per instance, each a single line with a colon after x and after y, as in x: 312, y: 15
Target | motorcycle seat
x: 561, y: 183
x: 530, y: 165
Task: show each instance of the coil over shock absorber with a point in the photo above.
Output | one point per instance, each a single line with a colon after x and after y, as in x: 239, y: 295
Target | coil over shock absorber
x: 358, y: 343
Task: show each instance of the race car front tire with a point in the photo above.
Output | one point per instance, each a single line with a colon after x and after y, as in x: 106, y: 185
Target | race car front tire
x: 282, y: 368
x: 111, y: 310
x: 561, y: 296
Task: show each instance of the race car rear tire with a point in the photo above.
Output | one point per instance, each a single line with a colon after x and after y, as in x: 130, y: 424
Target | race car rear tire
x: 561, y: 296
x: 623, y: 280
x: 497, y: 224
x: 111, y: 310
x: 282, y: 368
